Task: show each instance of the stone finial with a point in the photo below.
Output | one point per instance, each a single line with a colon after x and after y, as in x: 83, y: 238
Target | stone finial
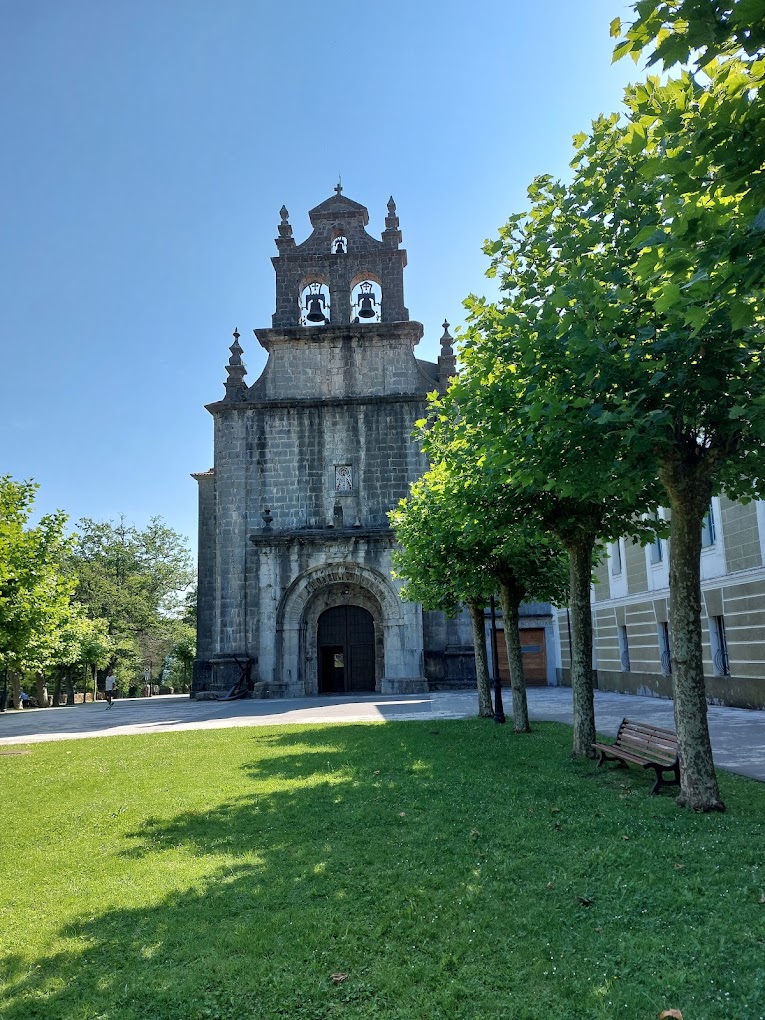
x: 391, y: 235
x: 236, y: 388
x: 285, y: 238
x: 267, y: 517
x: 447, y: 362
x: 446, y: 340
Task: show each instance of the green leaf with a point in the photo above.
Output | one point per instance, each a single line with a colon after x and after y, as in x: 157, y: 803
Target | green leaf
x: 741, y: 315
x: 669, y: 297
x: 620, y: 51
x: 738, y: 412
x: 616, y: 28
x: 695, y: 317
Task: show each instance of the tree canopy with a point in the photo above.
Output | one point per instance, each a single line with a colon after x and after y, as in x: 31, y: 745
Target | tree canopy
x: 35, y: 595
x: 107, y: 595
x: 623, y: 363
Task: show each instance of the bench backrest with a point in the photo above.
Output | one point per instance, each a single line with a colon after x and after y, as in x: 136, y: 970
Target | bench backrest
x: 646, y: 739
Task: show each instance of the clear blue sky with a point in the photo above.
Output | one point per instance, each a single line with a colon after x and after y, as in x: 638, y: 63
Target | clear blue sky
x: 148, y: 148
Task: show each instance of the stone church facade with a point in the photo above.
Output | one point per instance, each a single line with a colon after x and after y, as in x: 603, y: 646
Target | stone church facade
x: 296, y: 594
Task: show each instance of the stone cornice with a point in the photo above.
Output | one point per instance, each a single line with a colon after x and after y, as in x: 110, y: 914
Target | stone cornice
x: 322, y: 536
x: 408, y: 330
x: 300, y: 402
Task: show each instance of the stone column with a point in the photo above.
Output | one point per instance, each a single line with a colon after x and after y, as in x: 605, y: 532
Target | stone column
x: 231, y: 491
x: 404, y: 655
x: 206, y: 567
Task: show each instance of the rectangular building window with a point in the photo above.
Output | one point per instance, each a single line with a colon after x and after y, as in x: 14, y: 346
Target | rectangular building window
x: 665, y: 655
x: 624, y: 650
x: 657, y: 552
x: 719, y: 644
x: 616, y: 558
x: 708, y: 529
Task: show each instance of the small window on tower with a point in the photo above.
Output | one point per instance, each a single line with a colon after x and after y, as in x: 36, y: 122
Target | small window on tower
x: 340, y: 245
x: 343, y: 478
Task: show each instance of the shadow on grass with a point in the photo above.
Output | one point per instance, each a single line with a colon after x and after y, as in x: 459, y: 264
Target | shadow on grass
x: 411, y: 870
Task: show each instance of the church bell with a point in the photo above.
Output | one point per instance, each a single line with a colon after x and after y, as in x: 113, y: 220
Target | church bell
x: 314, y: 303
x: 366, y: 302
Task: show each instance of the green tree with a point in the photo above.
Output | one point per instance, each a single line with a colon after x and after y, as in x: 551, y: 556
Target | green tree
x: 463, y: 539
x: 692, y: 31
x: 705, y: 132
x: 138, y: 581
x: 131, y: 577
x: 176, y: 671
x: 438, y: 572
x: 647, y: 272
x: 517, y: 411
x: 84, y: 647
x: 35, y: 592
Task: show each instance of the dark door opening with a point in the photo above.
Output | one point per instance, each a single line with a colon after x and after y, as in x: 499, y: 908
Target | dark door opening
x: 346, y: 641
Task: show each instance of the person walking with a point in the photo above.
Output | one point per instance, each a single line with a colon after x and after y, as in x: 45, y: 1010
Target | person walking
x: 109, y: 684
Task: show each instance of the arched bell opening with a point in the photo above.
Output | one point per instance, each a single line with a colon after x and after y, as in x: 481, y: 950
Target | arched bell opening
x: 314, y: 305
x: 339, y: 244
x: 366, y: 301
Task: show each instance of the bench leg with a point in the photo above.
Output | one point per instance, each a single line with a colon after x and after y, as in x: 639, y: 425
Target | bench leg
x: 661, y: 781
x: 604, y: 757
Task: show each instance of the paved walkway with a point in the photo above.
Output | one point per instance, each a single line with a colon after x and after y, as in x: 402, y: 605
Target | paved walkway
x: 738, y: 735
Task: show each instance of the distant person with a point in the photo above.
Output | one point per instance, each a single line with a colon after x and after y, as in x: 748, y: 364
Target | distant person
x: 109, y: 684
x: 23, y: 698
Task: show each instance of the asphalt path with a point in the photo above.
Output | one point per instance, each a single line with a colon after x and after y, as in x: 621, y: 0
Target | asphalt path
x: 738, y: 735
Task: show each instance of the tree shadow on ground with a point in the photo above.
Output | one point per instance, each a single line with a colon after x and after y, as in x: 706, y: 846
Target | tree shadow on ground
x: 365, y: 872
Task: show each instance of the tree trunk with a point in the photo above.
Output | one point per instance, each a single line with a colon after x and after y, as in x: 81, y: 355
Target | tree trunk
x: 485, y: 708
x: 582, y: 683
x: 511, y: 597
x: 69, y: 691
x: 690, y: 492
x: 57, y: 691
x: 41, y: 691
x: 16, y: 690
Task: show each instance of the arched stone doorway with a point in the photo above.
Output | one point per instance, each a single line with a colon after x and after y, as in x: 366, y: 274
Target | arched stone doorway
x: 397, y: 628
x: 346, y: 650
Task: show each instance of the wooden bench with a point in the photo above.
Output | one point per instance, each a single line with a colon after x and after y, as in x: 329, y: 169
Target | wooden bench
x: 649, y: 746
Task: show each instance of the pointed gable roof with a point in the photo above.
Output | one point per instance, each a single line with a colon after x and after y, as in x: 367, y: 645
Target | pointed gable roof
x: 338, y: 206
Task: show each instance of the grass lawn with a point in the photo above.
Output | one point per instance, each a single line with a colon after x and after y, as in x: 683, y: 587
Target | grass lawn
x: 404, y: 870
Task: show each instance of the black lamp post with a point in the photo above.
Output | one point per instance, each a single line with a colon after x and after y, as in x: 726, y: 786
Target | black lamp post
x: 499, y: 711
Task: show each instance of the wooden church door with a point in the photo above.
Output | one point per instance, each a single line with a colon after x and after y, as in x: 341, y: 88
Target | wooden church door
x: 346, y: 642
